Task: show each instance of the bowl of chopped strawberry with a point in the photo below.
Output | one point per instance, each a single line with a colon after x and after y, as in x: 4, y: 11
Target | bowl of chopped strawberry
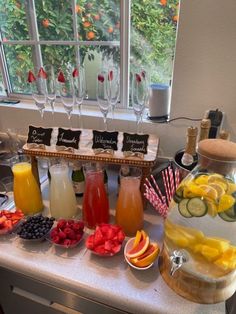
x: 106, y: 240
x: 9, y: 220
x: 67, y: 233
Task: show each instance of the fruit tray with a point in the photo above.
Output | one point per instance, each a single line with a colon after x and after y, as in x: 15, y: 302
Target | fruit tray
x: 9, y: 221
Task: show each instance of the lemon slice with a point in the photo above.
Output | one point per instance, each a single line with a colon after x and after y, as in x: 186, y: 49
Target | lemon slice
x: 212, y: 208
x: 231, y: 188
x: 208, y: 191
x: 226, y: 201
x: 202, y: 179
x: 218, y: 187
x: 219, y: 179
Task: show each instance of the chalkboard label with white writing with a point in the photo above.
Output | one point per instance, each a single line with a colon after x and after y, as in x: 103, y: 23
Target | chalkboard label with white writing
x: 105, y: 140
x: 39, y: 136
x: 135, y: 143
x: 68, y: 138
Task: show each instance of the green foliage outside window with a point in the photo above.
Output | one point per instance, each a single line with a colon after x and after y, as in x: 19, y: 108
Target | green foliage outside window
x: 153, y: 34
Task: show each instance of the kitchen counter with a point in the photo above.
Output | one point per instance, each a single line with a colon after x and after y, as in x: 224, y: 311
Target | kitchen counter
x: 107, y: 280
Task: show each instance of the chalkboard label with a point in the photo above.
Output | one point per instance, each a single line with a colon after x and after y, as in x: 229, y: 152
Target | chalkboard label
x: 39, y: 136
x: 68, y: 138
x: 135, y: 143
x: 105, y: 140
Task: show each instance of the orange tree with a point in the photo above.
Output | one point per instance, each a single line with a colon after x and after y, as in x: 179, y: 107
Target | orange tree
x: 152, y: 33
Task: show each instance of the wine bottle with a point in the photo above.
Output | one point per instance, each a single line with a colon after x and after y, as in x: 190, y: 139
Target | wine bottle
x: 78, y: 179
x: 190, y: 149
x: 204, y: 129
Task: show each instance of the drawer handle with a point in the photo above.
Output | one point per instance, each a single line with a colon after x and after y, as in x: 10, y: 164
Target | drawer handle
x: 63, y: 309
x: 31, y: 296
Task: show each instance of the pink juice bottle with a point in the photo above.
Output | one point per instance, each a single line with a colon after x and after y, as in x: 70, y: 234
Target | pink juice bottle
x: 95, y: 201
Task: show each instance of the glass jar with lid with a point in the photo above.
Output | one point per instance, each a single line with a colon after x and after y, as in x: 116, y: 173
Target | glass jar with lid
x: 199, y: 256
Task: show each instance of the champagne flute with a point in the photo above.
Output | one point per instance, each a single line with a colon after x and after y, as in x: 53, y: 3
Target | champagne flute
x: 113, y: 87
x: 51, y: 86
x: 80, y: 89
x: 67, y: 92
x: 139, y: 94
x: 38, y: 89
x: 102, y: 96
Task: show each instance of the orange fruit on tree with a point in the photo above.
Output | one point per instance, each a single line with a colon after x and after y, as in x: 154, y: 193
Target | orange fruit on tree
x: 86, y: 24
x: 175, y: 18
x: 90, y: 35
x: 45, y: 23
x: 78, y: 9
x: 163, y: 2
x: 96, y: 17
x: 110, y: 29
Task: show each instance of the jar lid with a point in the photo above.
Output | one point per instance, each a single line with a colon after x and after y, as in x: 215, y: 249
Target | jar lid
x: 218, y: 149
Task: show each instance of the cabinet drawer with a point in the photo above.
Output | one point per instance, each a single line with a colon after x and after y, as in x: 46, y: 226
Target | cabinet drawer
x: 20, y: 287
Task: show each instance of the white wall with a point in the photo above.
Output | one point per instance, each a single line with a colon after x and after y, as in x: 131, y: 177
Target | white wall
x: 204, y: 77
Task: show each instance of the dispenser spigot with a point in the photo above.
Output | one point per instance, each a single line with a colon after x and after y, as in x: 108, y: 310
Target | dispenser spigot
x: 177, y: 260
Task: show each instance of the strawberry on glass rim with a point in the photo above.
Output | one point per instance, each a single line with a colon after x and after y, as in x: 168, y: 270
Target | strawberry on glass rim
x: 31, y: 77
x: 42, y: 74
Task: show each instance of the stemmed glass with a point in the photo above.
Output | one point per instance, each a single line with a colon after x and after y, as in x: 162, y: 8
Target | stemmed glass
x: 51, y: 86
x: 67, y: 91
x: 80, y: 89
x: 102, y: 95
x: 113, y: 87
x: 38, y: 89
x: 139, y: 94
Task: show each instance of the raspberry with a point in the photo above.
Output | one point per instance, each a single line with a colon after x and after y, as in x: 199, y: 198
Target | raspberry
x: 62, y: 235
x: 56, y: 239
x: 61, y: 224
x: 71, y: 235
x: 67, y: 242
x: 67, y: 230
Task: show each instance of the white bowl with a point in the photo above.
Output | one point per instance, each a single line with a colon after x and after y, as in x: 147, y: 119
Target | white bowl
x: 128, y: 247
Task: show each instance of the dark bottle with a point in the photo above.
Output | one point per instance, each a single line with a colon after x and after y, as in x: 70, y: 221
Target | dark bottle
x: 78, y: 179
x: 105, y: 179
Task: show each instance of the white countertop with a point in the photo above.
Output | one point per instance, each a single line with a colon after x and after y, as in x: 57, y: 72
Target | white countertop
x: 107, y: 280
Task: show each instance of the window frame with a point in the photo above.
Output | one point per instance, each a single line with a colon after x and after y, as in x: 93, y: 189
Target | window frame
x: 125, y: 7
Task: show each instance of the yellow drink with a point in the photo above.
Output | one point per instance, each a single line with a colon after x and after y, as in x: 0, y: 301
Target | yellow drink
x: 27, y: 194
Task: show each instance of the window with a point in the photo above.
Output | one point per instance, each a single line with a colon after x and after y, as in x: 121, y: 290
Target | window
x: 134, y: 34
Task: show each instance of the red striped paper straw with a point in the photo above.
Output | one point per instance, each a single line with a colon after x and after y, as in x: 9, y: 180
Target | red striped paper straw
x: 156, y: 186
x: 177, y: 178
x: 168, y: 185
x: 171, y: 176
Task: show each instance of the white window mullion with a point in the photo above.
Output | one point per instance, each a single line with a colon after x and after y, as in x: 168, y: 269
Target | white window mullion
x: 125, y: 6
x: 33, y: 31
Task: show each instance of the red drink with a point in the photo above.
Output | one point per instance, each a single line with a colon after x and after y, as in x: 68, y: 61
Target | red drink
x: 95, y: 202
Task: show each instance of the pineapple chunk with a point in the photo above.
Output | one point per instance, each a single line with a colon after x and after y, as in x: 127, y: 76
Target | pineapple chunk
x: 210, y: 253
x: 217, y: 243
x: 177, y: 238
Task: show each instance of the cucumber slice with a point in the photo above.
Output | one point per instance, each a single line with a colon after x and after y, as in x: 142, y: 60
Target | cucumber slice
x: 177, y: 198
x: 179, y: 191
x: 225, y: 217
x: 197, y: 207
x: 182, y: 207
x: 231, y: 212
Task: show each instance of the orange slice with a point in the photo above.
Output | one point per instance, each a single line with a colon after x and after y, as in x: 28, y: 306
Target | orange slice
x: 148, y: 257
x: 139, y: 249
x: 137, y: 239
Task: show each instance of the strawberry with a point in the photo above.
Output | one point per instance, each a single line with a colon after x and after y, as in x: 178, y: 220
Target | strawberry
x: 42, y: 73
x: 121, y: 236
x: 100, y: 78
x: 138, y: 78
x: 31, y: 77
x: 75, y: 73
x: 61, y: 77
x: 110, y: 76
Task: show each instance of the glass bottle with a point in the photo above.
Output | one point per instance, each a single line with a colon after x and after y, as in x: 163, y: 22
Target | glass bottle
x: 190, y: 156
x: 95, y: 201
x: 27, y: 194
x: 129, y: 207
x: 62, y: 195
x: 78, y: 179
x: 204, y: 129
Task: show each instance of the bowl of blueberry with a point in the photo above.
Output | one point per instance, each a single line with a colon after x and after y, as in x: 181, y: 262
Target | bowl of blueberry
x: 35, y: 228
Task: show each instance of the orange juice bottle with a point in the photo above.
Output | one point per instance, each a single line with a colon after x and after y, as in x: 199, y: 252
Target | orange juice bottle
x: 27, y: 194
x: 129, y: 207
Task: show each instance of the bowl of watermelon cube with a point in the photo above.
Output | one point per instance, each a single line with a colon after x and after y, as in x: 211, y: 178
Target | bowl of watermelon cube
x: 10, y: 220
x: 66, y: 233
x: 106, y: 240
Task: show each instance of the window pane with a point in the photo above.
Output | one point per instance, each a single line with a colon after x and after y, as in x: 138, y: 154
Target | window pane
x: 2, y: 88
x: 91, y: 57
x: 13, y: 22
x: 19, y: 62
x: 98, y: 20
x: 54, y: 18
x: 153, y: 35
